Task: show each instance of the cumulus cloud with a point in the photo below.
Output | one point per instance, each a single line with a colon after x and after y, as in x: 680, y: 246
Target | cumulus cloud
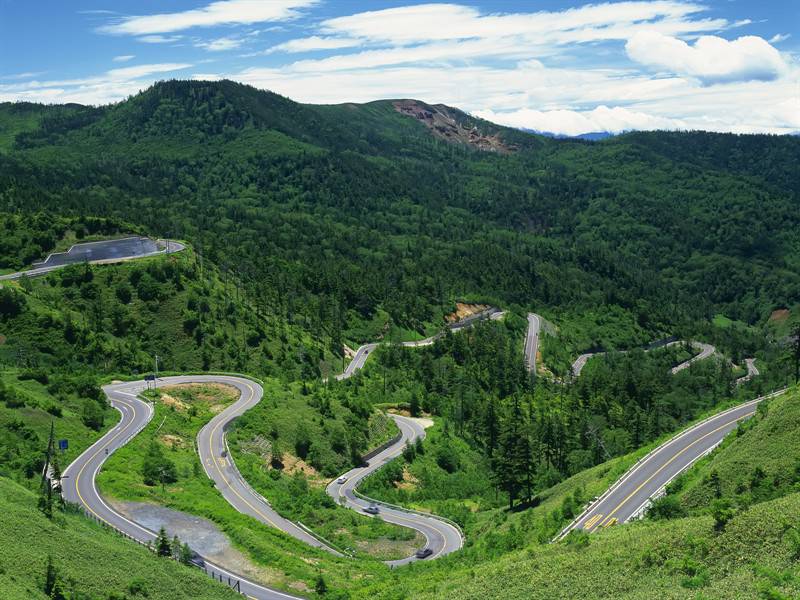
x: 711, y: 59
x: 223, y: 12
x: 573, y: 122
x: 563, y: 71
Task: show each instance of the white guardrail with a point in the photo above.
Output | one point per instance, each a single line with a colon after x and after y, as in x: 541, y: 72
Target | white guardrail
x: 562, y: 534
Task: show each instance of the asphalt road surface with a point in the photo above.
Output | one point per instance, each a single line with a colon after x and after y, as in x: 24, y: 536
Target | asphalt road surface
x: 629, y: 497
x: 78, y: 479
x: 532, y: 341
x: 364, y: 351
x: 441, y: 537
x: 704, y: 351
x: 106, y: 251
x: 752, y: 371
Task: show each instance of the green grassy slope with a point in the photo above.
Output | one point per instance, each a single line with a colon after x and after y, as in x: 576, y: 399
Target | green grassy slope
x: 756, y: 554
x: 759, y: 462
x: 27, y: 410
x: 92, y: 562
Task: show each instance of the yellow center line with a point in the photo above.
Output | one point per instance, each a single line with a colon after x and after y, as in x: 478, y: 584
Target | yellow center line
x: 100, y: 449
x: 222, y: 475
x: 666, y: 464
x: 610, y: 523
x: 592, y: 521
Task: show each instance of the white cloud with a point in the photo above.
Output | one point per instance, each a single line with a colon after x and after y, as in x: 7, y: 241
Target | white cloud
x: 123, y: 58
x: 127, y: 73
x: 223, y: 12
x: 111, y: 86
x: 220, y: 44
x: 562, y: 71
x: 25, y: 75
x: 438, y: 22
x: 314, y: 42
x: 451, y: 32
x: 779, y: 37
x: 711, y: 59
x: 573, y: 122
x: 159, y: 39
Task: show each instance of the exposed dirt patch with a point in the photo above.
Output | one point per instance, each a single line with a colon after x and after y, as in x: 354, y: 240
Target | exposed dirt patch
x: 202, y: 536
x: 208, y: 393
x: 387, y: 549
x: 464, y: 310
x: 454, y: 127
x: 168, y: 400
x: 2, y: 340
x: 293, y: 464
x: 173, y: 441
x: 779, y: 315
x: 348, y: 351
x: 409, y: 482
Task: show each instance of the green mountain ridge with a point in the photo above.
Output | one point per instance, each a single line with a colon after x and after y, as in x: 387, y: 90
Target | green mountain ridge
x: 314, y: 227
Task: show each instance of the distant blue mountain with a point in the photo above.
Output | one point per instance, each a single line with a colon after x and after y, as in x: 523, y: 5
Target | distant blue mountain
x: 592, y: 136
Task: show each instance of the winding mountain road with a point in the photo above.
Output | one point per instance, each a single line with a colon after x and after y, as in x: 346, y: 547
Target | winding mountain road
x: 364, y: 351
x: 703, y: 351
x: 79, y: 487
x: 441, y: 536
x: 630, y: 496
x: 626, y: 499
x: 752, y: 371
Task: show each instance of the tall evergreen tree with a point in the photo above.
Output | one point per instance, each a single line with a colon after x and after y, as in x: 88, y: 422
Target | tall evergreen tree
x: 512, y: 462
x: 163, y: 547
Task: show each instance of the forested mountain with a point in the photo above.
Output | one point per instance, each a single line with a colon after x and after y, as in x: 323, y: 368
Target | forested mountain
x: 313, y: 228
x: 336, y: 212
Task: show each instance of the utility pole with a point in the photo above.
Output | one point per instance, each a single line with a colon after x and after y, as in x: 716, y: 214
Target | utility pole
x: 155, y: 374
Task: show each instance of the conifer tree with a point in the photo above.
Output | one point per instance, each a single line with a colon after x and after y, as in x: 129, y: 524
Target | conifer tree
x: 162, y: 543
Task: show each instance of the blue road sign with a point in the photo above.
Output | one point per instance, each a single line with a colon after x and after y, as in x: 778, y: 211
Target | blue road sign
x: 63, y: 444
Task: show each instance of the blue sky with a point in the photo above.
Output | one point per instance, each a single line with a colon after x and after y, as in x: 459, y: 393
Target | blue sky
x: 565, y: 67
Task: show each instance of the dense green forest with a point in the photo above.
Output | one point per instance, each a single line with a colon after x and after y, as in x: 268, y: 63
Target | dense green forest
x: 311, y: 228
x: 331, y: 213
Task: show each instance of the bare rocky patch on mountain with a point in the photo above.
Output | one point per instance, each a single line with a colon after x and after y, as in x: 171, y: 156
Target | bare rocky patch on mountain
x: 445, y: 124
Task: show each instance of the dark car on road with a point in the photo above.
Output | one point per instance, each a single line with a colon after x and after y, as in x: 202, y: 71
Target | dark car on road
x: 197, y: 560
x: 423, y: 553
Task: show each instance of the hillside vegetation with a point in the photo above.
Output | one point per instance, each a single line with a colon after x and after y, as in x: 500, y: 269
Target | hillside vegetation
x: 331, y: 214
x: 91, y: 562
x: 754, y: 553
x: 312, y: 228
